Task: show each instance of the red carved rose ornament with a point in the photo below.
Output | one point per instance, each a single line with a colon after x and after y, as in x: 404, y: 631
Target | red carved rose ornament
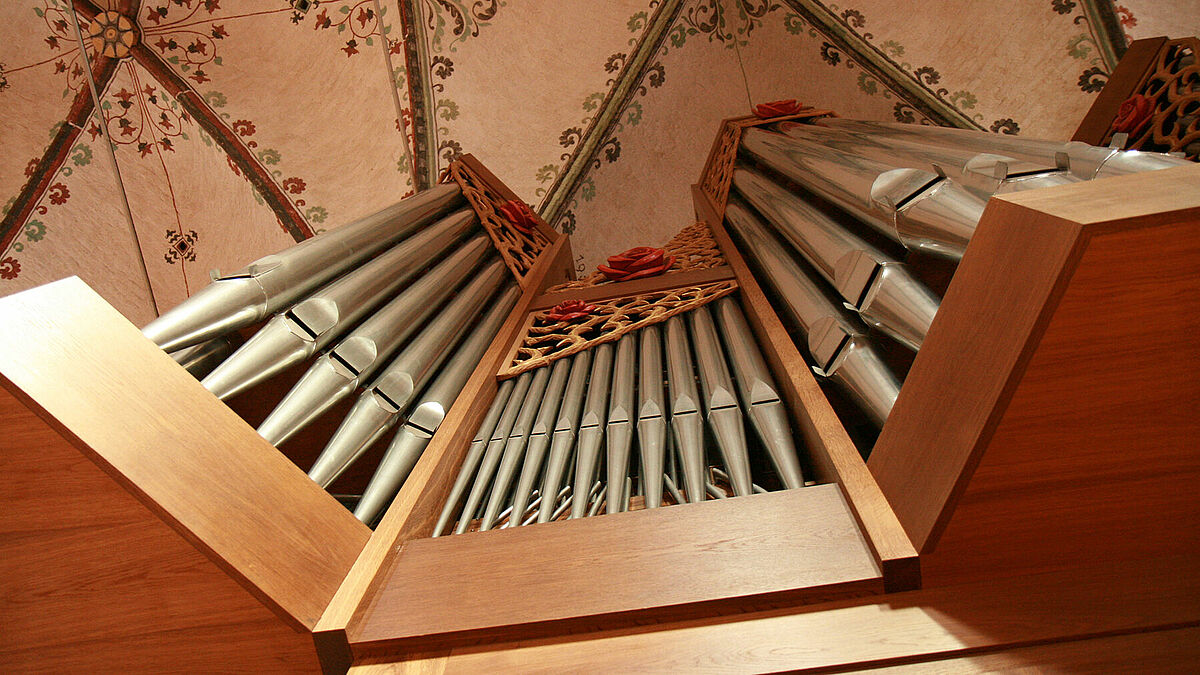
x: 519, y: 215
x: 636, y: 263
x: 777, y: 108
x: 570, y: 310
x: 1133, y: 114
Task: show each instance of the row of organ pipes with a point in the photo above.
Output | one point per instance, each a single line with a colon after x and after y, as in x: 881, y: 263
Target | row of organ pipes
x: 398, y: 308
x: 659, y: 388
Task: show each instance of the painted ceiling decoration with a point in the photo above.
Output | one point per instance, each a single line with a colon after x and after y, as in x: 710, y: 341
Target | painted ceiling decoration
x: 239, y: 126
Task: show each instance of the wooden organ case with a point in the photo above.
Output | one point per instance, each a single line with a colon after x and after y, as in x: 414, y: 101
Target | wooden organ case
x: 1030, y: 501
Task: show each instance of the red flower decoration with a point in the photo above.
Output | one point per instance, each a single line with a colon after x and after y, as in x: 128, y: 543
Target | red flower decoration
x: 1133, y: 114
x: 9, y: 268
x: 519, y: 215
x: 294, y: 185
x: 777, y: 108
x: 643, y: 261
x: 244, y: 127
x: 570, y: 310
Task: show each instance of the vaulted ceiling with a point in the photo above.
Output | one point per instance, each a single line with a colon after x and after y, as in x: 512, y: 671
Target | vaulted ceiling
x: 240, y: 126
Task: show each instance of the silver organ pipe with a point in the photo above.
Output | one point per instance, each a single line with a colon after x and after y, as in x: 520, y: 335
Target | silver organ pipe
x: 337, y: 373
x: 388, y: 396
x: 878, y: 287
x: 425, y: 419
x: 274, y: 282
x: 310, y: 325
x: 1084, y: 161
x: 836, y: 341
x: 917, y: 208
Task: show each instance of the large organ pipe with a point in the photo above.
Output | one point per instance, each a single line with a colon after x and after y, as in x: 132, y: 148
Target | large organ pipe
x: 410, y: 441
x: 201, y: 359
x: 619, y: 430
x: 313, y: 323
x: 984, y: 172
x: 591, y: 433
x: 919, y: 209
x: 338, y: 372
x: 721, y: 407
x: 387, y: 397
x: 474, y: 455
x: 759, y: 394
x: 514, y: 448
x: 540, y: 435
x: 1083, y: 160
x: 651, y: 425
x: 566, y: 425
x: 878, y: 287
x: 687, y: 426
x: 274, y: 282
x: 838, y: 347
x: 491, y: 455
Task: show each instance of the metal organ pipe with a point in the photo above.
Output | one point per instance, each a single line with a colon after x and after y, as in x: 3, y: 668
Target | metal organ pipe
x: 276, y: 281
x: 406, y: 448
x: 834, y: 339
x: 293, y: 336
x: 878, y: 287
x: 337, y: 373
x: 918, y: 209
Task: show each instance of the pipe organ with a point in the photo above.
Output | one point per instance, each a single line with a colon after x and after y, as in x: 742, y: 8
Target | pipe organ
x: 674, y: 458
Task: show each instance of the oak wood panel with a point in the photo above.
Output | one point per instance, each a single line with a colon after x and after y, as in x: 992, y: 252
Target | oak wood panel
x: 636, y: 287
x: 988, y: 322
x: 1096, y: 454
x: 1004, y: 295
x: 145, y: 421
x: 829, y: 448
x: 1125, y: 81
x: 900, y: 628
x: 714, y: 557
x: 1162, y: 651
x: 416, y: 507
x: 92, y: 580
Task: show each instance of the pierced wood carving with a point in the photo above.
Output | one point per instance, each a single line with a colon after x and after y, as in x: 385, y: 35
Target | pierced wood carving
x: 545, y: 340
x: 1173, y: 84
x: 718, y: 170
x: 518, y: 249
x: 693, y: 247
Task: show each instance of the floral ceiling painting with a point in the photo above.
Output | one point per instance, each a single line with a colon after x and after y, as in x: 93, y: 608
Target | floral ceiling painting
x: 150, y: 142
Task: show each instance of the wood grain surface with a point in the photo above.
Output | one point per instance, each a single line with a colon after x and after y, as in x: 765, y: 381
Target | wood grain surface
x: 928, y: 625
x: 93, y: 581
x: 128, y: 407
x: 1075, y: 436
x: 1162, y: 651
x: 829, y: 449
x: 720, y: 556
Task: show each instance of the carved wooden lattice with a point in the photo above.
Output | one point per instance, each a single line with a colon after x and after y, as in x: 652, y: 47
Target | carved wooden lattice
x: 693, y: 247
x: 718, y: 170
x: 1173, y: 83
x: 546, y: 340
x: 518, y: 249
